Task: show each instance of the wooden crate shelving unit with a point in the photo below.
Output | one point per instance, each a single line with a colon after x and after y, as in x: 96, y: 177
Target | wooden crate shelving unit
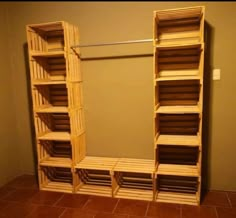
x: 174, y: 175
x: 178, y: 103
x: 56, y: 85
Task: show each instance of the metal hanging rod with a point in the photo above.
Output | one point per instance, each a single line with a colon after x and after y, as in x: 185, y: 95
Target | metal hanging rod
x: 115, y: 43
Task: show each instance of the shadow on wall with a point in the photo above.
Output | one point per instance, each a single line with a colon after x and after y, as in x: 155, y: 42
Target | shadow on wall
x: 33, y: 136
x: 206, y: 130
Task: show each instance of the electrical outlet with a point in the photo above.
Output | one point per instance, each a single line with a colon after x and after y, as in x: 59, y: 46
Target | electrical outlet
x: 216, y: 74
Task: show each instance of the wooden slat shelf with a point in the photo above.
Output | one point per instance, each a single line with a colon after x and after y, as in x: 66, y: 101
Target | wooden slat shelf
x: 177, y: 170
x: 95, y: 190
x: 136, y: 194
x: 135, y: 165
x: 46, y: 82
x: 58, y: 187
x: 52, y: 109
x: 97, y: 163
x: 178, y: 109
x: 59, y: 136
x: 177, y: 198
x: 184, y: 140
x: 169, y: 78
x: 47, y: 54
x: 56, y: 162
x: 180, y: 46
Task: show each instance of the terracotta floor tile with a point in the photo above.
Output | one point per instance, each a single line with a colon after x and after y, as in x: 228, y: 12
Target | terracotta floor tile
x: 226, y: 212
x: 46, y: 212
x: 17, y: 210
x: 101, y: 204
x: 24, y: 181
x: 77, y: 213
x: 3, y: 204
x: 198, y: 212
x: 46, y: 197
x: 20, y: 195
x: 216, y: 198
x: 131, y: 207
x: 73, y: 200
x: 4, y: 191
x: 163, y: 210
x: 110, y: 215
x: 232, y: 198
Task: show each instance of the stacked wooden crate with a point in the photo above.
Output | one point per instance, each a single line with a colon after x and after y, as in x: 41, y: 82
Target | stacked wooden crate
x: 56, y: 86
x: 178, y: 103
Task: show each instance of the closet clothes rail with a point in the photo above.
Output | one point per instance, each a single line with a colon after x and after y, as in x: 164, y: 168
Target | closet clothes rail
x: 114, y: 43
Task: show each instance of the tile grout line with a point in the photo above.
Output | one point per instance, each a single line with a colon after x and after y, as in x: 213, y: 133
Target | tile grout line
x: 181, y: 211
x: 147, y: 209
x: 216, y: 212
x: 115, y: 206
x: 63, y: 212
x: 227, y: 194
x: 85, y: 203
x: 58, y: 200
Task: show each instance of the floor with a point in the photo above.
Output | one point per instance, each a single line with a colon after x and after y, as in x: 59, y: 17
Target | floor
x: 21, y: 198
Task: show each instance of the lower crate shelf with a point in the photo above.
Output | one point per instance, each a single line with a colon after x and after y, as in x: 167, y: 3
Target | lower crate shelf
x: 133, y: 179
x: 93, y: 176
x: 178, y: 198
x: 56, y: 162
x: 178, y: 170
x: 58, y: 179
x: 62, y: 136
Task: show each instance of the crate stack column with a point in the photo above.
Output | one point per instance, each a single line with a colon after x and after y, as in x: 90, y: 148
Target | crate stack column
x: 178, y: 103
x: 56, y: 86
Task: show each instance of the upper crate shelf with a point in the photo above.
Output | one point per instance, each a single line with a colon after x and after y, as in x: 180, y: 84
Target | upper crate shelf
x: 178, y: 62
x: 179, y: 26
x: 51, y: 37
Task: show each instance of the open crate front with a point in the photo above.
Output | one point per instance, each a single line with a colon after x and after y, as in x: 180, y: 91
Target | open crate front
x: 177, y: 189
x: 177, y: 124
x: 180, y: 96
x: 55, y: 153
x: 181, y: 155
x: 133, y: 185
x: 46, y: 96
x: 57, y: 179
x: 179, y: 26
x: 46, y: 69
x: 53, y: 126
x: 94, y: 182
x: 46, y: 37
x: 179, y: 62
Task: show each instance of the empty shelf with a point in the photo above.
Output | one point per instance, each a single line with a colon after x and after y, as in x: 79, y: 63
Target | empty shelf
x: 56, y: 162
x: 97, y: 163
x: 57, y: 187
x: 178, y: 109
x: 50, y: 82
x: 180, y: 46
x: 48, y: 54
x: 175, y: 73
x: 168, y: 78
x: 52, y: 109
x: 60, y: 136
x: 178, y: 140
x: 138, y: 194
x: 179, y: 198
x: 95, y: 190
x: 135, y: 165
x: 177, y: 170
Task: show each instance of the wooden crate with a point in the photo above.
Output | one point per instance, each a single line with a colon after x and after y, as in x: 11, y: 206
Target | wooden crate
x: 94, y: 176
x: 54, y: 153
x: 51, y: 37
x: 179, y: 26
x: 178, y: 62
x: 58, y: 179
x: 133, y: 179
x: 177, y: 189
